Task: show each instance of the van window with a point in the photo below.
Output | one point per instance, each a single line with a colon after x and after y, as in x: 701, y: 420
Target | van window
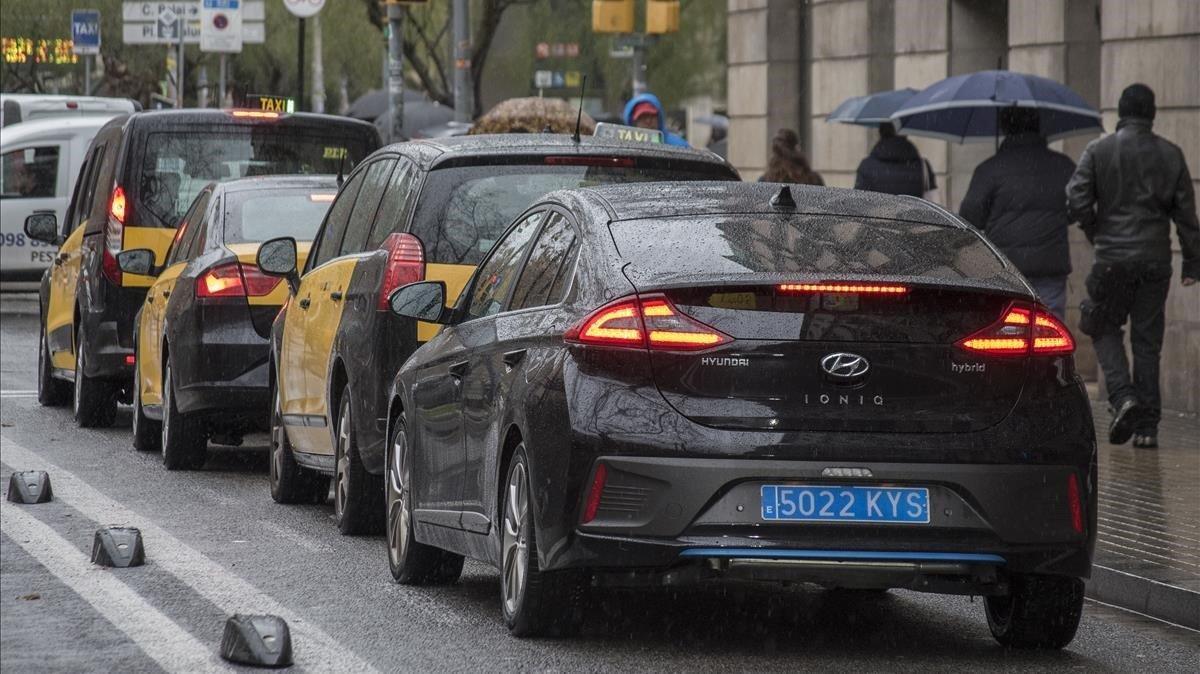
x: 29, y: 173
x: 365, y: 206
x: 330, y: 237
x: 397, y: 203
x: 87, y: 190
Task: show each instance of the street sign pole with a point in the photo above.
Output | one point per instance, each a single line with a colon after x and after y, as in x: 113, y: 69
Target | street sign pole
x: 300, y: 66
x: 221, y: 81
x: 179, y: 63
x: 87, y: 75
x: 395, y: 16
x: 464, y: 106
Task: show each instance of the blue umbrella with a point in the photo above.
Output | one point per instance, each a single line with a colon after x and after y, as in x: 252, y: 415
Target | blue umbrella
x: 872, y: 109
x: 964, y: 108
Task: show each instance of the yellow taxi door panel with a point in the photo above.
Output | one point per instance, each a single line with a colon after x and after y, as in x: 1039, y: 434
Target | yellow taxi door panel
x: 157, y: 239
x: 60, y: 311
x: 456, y: 277
x: 151, y: 331
x: 324, y: 288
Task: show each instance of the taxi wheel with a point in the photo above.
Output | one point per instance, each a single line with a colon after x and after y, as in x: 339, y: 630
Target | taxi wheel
x: 147, y: 433
x: 534, y: 602
x: 184, y: 445
x: 95, y: 401
x: 51, y: 392
x: 357, y: 495
x: 291, y: 483
x: 1039, y: 612
x: 411, y: 562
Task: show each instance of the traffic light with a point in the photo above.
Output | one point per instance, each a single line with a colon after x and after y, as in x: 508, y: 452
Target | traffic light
x: 662, y: 16
x: 614, y: 16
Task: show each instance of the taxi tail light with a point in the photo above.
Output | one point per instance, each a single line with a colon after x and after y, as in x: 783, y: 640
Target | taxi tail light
x: 1022, y: 330
x: 235, y: 280
x: 593, y: 500
x: 649, y: 321
x: 405, y: 264
x: 114, y: 234
x: 614, y: 162
x: 1075, y: 502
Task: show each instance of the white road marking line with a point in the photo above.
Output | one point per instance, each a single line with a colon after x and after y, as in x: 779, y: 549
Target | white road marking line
x: 314, y: 649
x: 159, y: 637
x: 18, y: 394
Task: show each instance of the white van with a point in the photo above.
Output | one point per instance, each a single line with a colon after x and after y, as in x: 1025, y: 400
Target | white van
x: 39, y: 162
x: 18, y: 108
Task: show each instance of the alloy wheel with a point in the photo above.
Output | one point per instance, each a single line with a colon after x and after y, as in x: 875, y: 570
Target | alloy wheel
x: 516, y: 547
x: 137, y: 397
x: 341, y: 487
x: 166, y: 403
x: 398, y: 518
x: 276, y: 441
x: 77, y: 396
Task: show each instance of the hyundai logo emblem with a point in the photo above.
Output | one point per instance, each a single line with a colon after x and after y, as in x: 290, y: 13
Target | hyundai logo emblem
x: 845, y: 366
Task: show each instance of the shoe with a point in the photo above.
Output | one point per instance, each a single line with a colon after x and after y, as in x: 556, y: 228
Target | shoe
x: 1145, y: 440
x: 1125, y: 418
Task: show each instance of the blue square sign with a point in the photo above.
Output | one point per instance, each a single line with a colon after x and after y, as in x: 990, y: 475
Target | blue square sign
x: 85, y: 31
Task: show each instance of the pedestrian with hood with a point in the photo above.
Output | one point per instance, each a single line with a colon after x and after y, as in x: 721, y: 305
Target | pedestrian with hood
x: 788, y: 163
x: 1128, y: 188
x: 646, y: 111
x: 1015, y: 199
x: 895, y: 167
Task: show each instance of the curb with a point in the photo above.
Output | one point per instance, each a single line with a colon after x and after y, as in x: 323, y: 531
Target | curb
x: 1150, y: 597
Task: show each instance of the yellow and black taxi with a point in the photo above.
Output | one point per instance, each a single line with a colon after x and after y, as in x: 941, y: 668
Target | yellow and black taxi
x: 427, y: 209
x: 141, y: 174
x: 201, y: 334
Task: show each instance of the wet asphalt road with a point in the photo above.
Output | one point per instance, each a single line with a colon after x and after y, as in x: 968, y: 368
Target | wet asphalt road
x: 217, y: 544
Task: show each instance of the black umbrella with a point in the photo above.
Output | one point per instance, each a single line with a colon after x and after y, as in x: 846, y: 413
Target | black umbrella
x: 374, y: 103
x: 419, y: 114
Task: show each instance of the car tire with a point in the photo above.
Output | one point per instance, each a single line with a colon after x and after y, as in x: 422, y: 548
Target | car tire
x: 410, y: 561
x: 51, y: 392
x: 94, y: 401
x: 147, y: 433
x: 534, y: 602
x: 184, y: 444
x: 357, y: 495
x: 290, y: 482
x: 1039, y: 612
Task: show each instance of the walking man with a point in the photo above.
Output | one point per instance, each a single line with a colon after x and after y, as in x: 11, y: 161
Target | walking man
x: 1128, y: 188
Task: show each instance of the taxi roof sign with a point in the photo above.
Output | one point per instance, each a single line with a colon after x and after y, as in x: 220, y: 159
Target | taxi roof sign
x: 270, y: 103
x: 632, y: 134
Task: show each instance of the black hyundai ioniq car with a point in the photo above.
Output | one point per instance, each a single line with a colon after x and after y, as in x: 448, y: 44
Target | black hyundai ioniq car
x: 691, y: 382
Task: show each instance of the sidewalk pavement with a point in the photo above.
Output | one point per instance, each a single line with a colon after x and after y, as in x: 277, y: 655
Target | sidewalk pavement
x: 1148, y: 539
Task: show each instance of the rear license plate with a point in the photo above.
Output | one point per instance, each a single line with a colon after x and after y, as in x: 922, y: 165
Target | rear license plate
x: 895, y: 505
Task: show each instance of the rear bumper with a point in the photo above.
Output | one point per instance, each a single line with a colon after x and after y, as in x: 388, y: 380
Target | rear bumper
x: 221, y: 364
x: 668, y: 514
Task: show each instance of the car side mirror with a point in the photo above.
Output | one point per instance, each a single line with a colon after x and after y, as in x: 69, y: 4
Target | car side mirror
x: 42, y: 226
x: 277, y: 257
x: 424, y: 301
x: 137, y: 261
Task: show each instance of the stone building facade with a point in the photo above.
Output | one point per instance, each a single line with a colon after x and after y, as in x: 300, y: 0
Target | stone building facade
x: 790, y: 62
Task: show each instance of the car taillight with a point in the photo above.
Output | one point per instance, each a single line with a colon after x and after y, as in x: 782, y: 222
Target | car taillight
x: 114, y: 234
x: 858, y: 288
x: 234, y: 280
x: 1022, y: 331
x: 405, y: 264
x: 645, y: 322
x: 597, y: 490
x: 615, y: 162
x: 1075, y: 502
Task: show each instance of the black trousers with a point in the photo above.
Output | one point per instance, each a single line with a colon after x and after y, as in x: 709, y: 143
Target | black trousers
x: 1135, y: 291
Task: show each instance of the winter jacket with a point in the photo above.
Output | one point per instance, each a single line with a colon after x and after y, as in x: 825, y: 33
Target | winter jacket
x: 668, y: 137
x: 1015, y: 199
x: 894, y: 167
x: 1128, y: 188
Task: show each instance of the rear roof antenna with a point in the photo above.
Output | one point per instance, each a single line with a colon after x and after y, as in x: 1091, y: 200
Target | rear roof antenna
x: 579, y: 115
x: 784, y: 201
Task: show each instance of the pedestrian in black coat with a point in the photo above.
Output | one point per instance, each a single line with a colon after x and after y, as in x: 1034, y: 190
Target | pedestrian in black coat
x: 895, y: 167
x: 1016, y: 199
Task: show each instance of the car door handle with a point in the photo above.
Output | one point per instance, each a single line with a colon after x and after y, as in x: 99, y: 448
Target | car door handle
x: 457, y: 370
x: 511, y: 358
x: 305, y: 302
x: 336, y: 296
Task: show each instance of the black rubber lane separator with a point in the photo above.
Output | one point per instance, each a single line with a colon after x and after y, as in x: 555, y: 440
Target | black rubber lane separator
x: 30, y: 486
x: 119, y: 547
x: 259, y: 640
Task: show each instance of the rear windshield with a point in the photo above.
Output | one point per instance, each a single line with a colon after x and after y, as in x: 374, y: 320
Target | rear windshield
x: 254, y: 216
x: 175, y: 165
x: 803, y: 245
x: 463, y: 210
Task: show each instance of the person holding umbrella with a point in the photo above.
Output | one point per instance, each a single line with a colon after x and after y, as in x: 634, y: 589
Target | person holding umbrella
x: 1128, y: 188
x: 896, y: 167
x: 1015, y: 199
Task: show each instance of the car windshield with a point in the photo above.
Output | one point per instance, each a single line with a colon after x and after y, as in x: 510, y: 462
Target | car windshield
x: 175, y: 165
x: 254, y: 216
x: 463, y: 210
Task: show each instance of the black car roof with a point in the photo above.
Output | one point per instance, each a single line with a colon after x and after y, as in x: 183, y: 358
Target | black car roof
x: 278, y: 182
x: 635, y: 201
x: 431, y: 152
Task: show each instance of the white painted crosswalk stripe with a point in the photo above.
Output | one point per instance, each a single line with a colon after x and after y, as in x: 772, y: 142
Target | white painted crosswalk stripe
x: 315, y: 649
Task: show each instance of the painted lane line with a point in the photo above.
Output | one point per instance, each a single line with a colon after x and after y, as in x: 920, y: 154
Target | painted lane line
x: 159, y: 637
x: 315, y: 649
